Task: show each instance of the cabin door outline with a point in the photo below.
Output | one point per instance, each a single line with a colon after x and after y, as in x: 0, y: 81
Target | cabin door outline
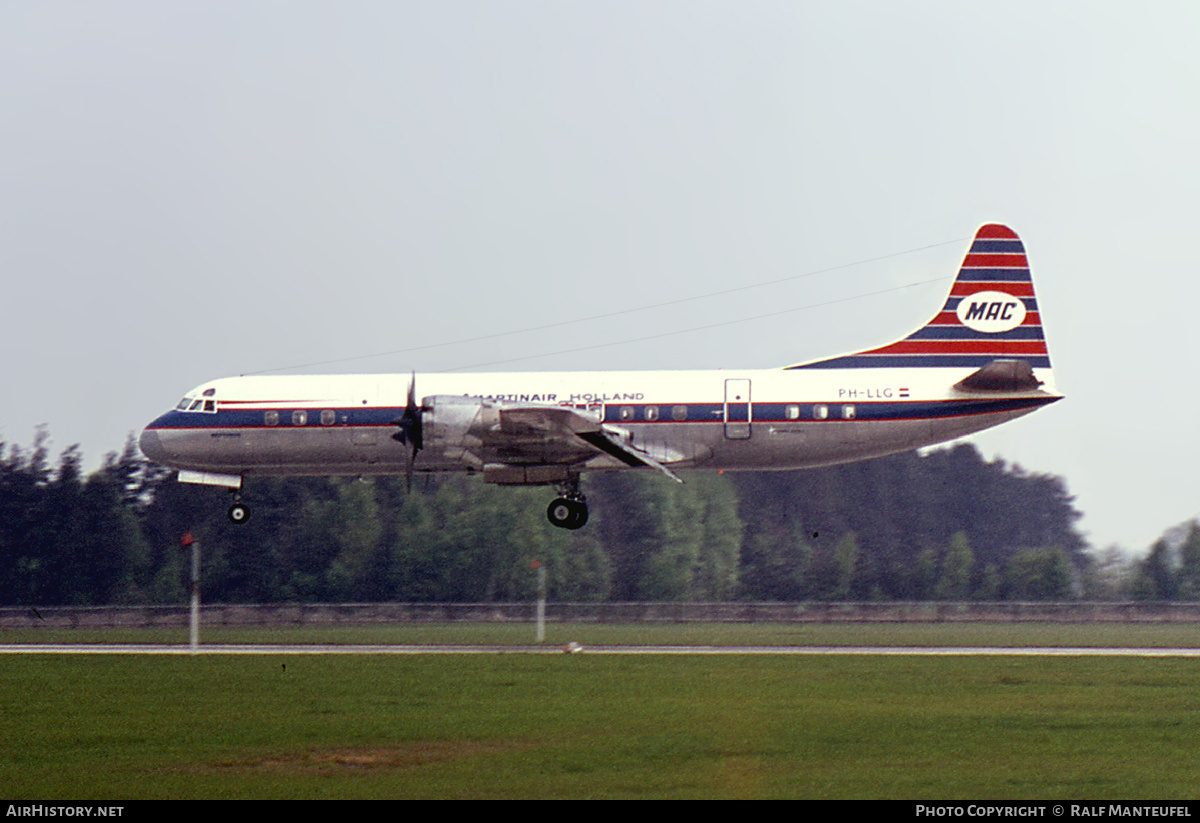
x: 737, y: 409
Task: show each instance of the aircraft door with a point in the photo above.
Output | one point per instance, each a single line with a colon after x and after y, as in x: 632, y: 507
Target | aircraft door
x: 357, y: 424
x: 737, y: 409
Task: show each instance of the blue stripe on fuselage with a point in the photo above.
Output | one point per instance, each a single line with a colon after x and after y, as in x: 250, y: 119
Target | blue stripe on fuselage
x: 867, y: 407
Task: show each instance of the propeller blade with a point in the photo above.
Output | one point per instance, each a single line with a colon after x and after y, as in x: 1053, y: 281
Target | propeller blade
x: 410, y: 423
x: 411, y: 429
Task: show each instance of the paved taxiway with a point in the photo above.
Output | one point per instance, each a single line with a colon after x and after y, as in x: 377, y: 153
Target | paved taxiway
x: 930, y: 651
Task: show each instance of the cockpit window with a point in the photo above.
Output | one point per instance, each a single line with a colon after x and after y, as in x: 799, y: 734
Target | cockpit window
x: 195, y: 404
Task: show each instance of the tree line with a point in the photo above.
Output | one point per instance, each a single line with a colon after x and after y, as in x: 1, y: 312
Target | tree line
x: 946, y: 524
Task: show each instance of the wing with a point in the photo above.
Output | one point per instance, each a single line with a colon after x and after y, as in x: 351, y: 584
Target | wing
x: 547, y: 431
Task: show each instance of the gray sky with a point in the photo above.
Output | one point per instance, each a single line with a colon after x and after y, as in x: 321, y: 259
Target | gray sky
x: 190, y: 190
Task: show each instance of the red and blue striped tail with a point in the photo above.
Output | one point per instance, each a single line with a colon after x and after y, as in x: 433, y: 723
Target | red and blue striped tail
x: 991, y: 314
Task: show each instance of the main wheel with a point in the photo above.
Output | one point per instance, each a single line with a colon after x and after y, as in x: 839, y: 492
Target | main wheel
x: 566, y: 513
x: 238, y: 513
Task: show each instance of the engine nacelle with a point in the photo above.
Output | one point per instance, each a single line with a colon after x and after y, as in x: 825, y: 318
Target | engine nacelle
x: 452, y: 425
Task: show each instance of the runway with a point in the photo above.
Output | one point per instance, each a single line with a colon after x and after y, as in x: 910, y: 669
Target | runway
x: 306, y: 649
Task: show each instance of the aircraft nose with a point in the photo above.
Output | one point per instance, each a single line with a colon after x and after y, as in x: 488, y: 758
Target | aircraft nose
x: 152, y: 446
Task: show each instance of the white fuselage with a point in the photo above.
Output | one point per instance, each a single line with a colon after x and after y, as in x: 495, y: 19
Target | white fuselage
x: 739, y: 420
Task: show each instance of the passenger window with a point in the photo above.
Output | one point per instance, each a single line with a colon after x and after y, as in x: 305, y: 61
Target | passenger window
x: 848, y: 412
x: 679, y: 412
x: 299, y: 418
x: 793, y: 412
x: 820, y: 412
x: 328, y: 417
x: 271, y: 418
x: 626, y: 412
x: 651, y: 412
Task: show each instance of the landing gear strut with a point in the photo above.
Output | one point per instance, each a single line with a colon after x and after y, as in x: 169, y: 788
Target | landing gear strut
x: 569, y: 510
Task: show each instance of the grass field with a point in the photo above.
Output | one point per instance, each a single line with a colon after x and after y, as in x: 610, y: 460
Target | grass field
x: 566, y: 726
x: 1108, y: 635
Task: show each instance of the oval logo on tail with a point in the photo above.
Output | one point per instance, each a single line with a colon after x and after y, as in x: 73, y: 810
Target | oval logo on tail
x: 991, y: 312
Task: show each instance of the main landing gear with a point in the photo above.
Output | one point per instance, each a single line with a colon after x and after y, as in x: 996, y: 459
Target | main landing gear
x: 569, y: 510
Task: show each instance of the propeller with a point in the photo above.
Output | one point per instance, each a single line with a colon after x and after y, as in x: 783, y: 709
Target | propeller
x: 411, y: 429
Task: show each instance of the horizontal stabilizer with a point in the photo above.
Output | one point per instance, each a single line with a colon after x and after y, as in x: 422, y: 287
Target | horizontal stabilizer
x: 1001, y: 376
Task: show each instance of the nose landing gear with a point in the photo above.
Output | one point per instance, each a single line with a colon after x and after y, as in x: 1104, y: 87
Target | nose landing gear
x: 239, y: 512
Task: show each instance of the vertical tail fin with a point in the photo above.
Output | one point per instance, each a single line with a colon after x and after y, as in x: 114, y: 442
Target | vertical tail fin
x: 991, y: 314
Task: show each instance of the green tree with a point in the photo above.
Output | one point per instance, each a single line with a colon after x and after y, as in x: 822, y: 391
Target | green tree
x: 358, y: 569
x: 1155, y: 578
x: 955, y: 580
x: 672, y: 539
x: 586, y: 571
x: 1188, y: 576
x: 717, y: 570
x: 1039, y: 574
x: 832, y: 573
x: 991, y: 585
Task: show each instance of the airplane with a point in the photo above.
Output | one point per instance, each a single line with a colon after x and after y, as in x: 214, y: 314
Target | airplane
x: 981, y: 361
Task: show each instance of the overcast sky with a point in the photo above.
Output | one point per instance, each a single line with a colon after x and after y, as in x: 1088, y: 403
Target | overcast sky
x: 191, y: 190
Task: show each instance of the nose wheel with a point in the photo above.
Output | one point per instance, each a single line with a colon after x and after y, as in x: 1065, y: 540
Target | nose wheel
x: 239, y: 512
